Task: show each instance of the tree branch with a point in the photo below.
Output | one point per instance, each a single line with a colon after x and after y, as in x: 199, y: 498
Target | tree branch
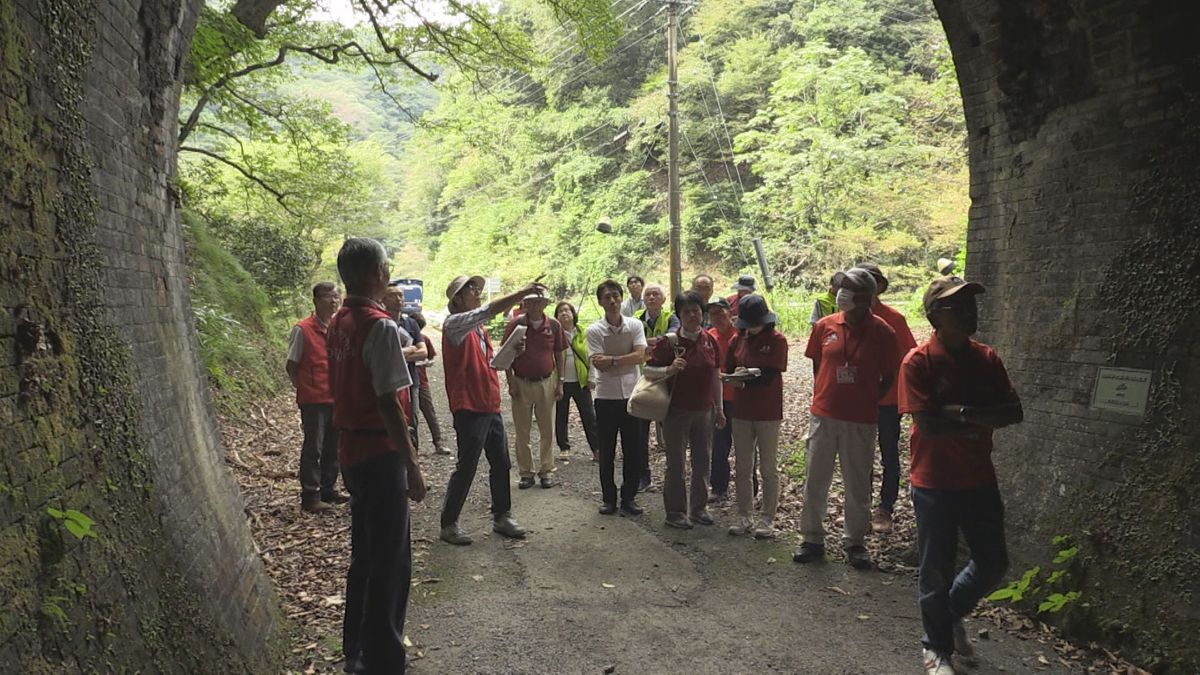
x: 279, y: 196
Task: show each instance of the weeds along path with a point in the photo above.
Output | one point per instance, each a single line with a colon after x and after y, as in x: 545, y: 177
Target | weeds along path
x: 586, y: 593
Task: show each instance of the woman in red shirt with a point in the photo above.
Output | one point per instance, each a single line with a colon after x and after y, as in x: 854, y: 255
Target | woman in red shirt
x: 695, y: 402
x: 757, y: 411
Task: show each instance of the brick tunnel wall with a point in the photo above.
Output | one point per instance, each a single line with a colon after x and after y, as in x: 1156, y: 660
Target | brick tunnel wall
x: 103, y: 409
x: 1084, y: 140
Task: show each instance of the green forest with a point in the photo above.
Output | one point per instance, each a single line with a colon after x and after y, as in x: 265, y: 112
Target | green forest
x: 492, y: 140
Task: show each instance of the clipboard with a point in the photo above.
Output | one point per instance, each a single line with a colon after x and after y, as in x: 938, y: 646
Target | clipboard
x: 618, y: 344
x: 508, y: 351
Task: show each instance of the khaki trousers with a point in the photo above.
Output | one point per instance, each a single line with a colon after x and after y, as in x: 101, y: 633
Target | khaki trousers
x: 761, y: 438
x: 534, y: 398
x: 853, y: 445
x: 681, y: 429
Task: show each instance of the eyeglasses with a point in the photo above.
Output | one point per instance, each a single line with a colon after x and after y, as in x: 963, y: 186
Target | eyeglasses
x: 471, y: 287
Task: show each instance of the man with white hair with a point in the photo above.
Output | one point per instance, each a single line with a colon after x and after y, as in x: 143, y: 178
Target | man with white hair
x: 854, y: 364
x: 535, y: 383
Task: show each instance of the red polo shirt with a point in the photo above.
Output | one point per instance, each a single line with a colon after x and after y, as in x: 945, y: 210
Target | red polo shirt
x: 931, y: 377
x: 541, y: 344
x: 722, y: 352
x: 853, y: 361
x: 693, y: 386
x: 904, y: 342
x: 767, y: 349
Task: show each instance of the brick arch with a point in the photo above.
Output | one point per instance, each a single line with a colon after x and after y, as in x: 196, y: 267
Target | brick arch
x: 1084, y: 139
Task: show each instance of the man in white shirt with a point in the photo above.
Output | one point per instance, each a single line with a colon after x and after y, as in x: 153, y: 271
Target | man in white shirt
x: 616, y: 347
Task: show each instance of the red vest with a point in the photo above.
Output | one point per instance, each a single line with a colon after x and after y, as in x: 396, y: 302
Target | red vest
x: 312, y: 382
x: 355, y: 411
x: 471, y: 383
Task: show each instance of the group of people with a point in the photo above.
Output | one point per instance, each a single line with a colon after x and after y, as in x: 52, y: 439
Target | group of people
x: 726, y: 362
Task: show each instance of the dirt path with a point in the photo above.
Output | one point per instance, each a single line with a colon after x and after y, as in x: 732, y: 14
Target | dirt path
x: 586, y: 593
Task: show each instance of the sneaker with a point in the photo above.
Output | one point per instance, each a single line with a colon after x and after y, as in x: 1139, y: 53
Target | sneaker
x: 453, y: 534
x: 335, y: 497
x: 744, y: 526
x: 715, y: 497
x: 679, y: 521
x: 505, y: 525
x: 856, y: 557
x: 702, y: 518
x: 765, y: 530
x: 631, y: 509
x: 937, y: 664
x: 564, y: 455
x: 526, y: 483
x: 809, y: 552
x: 547, y: 482
x: 316, y: 507
x: 441, y: 450
x: 962, y: 643
x: 881, y: 521
x: 608, y: 508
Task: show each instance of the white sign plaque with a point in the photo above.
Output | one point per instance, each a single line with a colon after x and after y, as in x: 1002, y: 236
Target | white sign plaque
x: 1122, y: 390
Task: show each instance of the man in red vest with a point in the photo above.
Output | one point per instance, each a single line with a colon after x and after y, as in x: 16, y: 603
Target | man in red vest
x: 379, y: 461
x: 474, y: 392
x: 308, y: 368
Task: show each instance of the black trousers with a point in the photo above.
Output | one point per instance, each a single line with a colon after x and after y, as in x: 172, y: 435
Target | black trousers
x: 612, y: 418
x: 380, y: 565
x: 889, y: 456
x: 587, y: 414
x: 478, y: 433
x: 318, y: 454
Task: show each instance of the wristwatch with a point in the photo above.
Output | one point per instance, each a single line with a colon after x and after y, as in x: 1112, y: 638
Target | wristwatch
x: 614, y: 362
x: 962, y: 414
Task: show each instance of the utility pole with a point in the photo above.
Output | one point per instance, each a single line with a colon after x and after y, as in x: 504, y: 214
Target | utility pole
x: 673, y: 145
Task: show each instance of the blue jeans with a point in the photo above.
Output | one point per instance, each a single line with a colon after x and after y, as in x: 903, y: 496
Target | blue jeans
x: 941, y: 594
x: 722, y: 442
x: 380, y: 573
x: 889, y: 456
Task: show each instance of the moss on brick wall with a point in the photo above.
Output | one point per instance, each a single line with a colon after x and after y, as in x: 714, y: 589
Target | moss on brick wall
x: 88, y: 577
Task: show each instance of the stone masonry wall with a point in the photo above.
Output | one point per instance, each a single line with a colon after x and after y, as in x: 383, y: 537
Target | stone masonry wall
x: 122, y: 541
x: 1084, y: 133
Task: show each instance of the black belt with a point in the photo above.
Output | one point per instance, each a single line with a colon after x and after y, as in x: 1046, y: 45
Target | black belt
x: 535, y: 379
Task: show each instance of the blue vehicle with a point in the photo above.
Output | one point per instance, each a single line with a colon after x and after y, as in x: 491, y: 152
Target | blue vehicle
x: 414, y: 294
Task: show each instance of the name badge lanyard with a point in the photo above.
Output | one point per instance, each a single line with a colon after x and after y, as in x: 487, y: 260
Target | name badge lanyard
x: 847, y: 374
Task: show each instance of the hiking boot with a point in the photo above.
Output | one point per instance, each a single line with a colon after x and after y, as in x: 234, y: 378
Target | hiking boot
x: 335, y: 497
x: 547, y: 482
x: 765, y: 530
x: 679, y: 521
x: 714, y: 497
x: 702, y: 518
x: 505, y: 525
x: 962, y: 643
x: 856, y: 557
x: 743, y: 526
x: 608, y: 508
x: 441, y: 450
x: 317, y: 506
x: 631, y: 509
x: 881, y: 521
x: 526, y: 483
x: 937, y: 664
x: 644, y: 484
x: 809, y: 552
x: 453, y: 534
